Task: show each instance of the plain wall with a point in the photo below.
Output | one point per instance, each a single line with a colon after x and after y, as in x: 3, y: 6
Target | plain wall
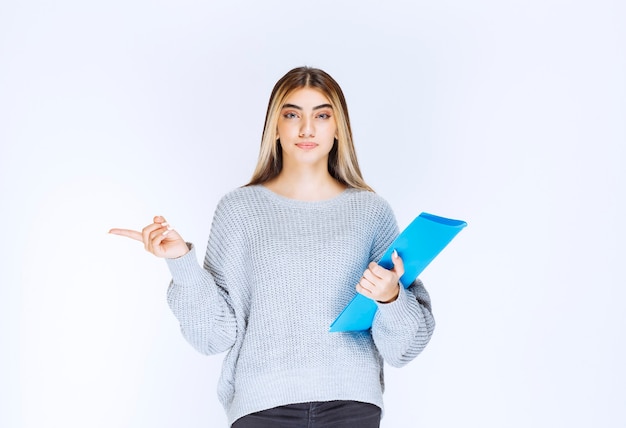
x: 510, y: 115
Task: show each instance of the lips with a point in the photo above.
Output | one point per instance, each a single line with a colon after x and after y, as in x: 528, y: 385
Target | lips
x: 306, y: 146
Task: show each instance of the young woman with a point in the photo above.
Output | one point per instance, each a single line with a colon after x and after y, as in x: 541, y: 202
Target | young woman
x: 285, y: 254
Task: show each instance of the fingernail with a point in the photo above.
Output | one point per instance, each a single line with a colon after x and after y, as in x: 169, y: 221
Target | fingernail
x: 166, y: 232
x: 394, y: 254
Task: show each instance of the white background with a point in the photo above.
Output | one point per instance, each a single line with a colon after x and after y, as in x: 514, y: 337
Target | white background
x: 510, y: 115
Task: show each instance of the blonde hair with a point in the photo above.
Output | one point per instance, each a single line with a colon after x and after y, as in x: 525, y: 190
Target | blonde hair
x: 342, y: 161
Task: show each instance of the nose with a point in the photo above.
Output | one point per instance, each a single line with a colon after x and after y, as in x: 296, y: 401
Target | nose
x: 306, y: 130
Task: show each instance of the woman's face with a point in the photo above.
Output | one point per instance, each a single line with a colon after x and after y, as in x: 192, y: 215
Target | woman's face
x: 306, y: 128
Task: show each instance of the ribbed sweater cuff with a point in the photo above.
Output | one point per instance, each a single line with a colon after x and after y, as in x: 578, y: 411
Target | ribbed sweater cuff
x: 398, y: 311
x: 185, y: 269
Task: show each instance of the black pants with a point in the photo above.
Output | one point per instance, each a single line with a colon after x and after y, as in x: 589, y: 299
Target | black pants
x: 325, y: 414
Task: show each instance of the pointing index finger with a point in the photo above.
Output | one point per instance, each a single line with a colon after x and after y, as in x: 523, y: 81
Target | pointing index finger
x: 132, y: 234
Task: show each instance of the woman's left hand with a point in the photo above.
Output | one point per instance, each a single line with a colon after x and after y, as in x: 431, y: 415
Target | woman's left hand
x: 381, y: 284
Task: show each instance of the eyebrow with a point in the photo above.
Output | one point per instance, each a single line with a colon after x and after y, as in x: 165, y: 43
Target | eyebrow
x: 314, y: 108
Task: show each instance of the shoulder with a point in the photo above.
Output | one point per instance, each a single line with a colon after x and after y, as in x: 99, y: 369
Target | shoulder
x: 370, y: 201
x: 240, y: 195
x: 236, y: 205
x: 376, y: 221
x: 241, y: 198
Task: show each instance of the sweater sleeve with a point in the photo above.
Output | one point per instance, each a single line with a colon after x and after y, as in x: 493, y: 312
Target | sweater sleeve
x: 402, y: 328
x: 199, y: 297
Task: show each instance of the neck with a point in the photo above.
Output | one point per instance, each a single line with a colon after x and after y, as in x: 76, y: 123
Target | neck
x: 306, y: 184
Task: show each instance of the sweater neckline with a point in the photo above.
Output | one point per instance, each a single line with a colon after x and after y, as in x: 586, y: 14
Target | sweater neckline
x: 300, y: 203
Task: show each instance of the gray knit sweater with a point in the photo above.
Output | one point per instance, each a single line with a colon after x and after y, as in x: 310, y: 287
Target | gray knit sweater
x: 277, y: 272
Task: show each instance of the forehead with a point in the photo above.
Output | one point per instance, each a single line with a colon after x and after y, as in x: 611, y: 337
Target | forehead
x: 306, y: 97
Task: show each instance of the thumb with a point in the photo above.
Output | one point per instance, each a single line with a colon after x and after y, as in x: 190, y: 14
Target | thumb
x: 398, y: 264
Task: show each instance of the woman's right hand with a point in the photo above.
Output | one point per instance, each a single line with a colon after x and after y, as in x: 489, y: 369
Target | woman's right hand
x: 158, y: 238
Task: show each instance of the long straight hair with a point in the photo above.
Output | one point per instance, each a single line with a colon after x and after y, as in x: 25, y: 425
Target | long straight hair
x: 343, y: 165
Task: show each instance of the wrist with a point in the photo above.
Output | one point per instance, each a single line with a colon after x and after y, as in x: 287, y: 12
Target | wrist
x: 184, y: 250
x: 393, y: 298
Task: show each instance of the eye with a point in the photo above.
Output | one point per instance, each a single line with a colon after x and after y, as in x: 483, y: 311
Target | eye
x: 324, y: 115
x: 290, y: 115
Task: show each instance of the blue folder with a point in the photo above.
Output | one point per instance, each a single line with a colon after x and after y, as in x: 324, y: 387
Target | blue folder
x: 417, y: 245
